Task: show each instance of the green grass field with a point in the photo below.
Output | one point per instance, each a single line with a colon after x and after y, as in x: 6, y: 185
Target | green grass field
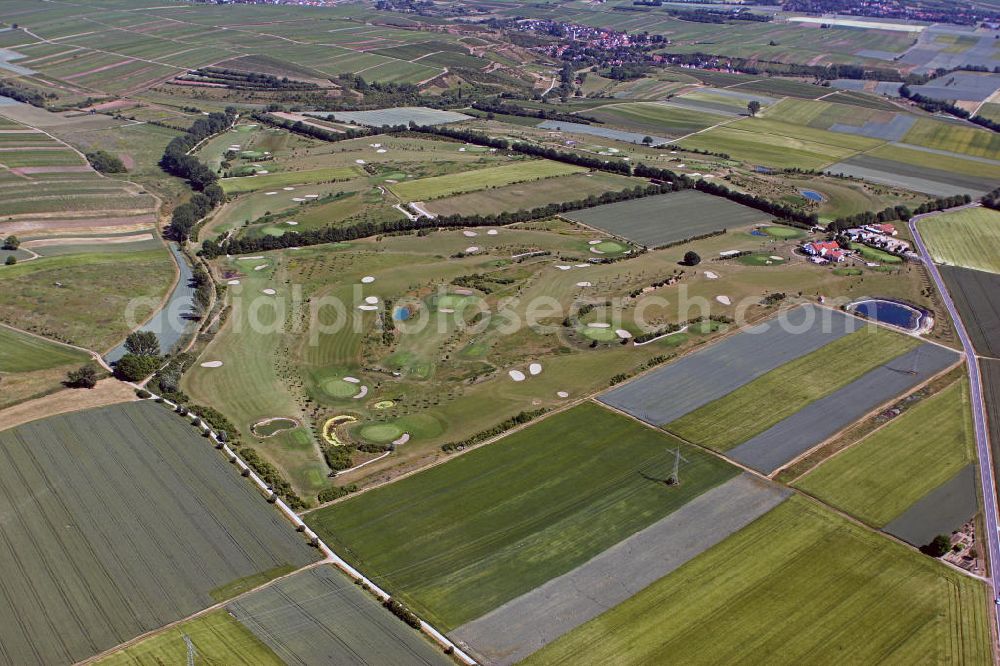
x: 923, y: 158
x: 285, y: 178
x: 799, y: 585
x: 24, y: 353
x: 460, y: 539
x: 755, y: 407
x: 968, y: 238
x: 218, y: 638
x: 424, y: 189
x: 875, y: 254
x: 877, y: 479
x: 954, y: 138
x: 654, y: 118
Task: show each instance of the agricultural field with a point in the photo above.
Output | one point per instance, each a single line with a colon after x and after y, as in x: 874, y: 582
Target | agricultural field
x: 31, y: 366
x: 556, y: 494
x: 920, y: 171
x: 655, y: 118
x: 426, y: 189
x: 164, y: 527
x: 954, y: 138
x: 990, y: 369
x: 661, y: 220
x: 966, y: 238
x: 881, y: 476
x: 309, y: 617
x: 856, y: 596
x: 398, y: 116
x: 974, y: 293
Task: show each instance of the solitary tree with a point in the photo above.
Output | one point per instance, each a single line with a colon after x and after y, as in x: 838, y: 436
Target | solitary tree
x: 11, y: 242
x: 753, y: 106
x: 647, y: 140
x: 142, y: 343
x: 938, y: 547
x: 691, y: 258
x: 11, y: 260
x: 83, y: 377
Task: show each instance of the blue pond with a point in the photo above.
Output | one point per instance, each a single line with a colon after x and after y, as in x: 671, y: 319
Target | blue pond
x: 755, y: 232
x: 401, y: 314
x: 889, y: 312
x: 812, y: 195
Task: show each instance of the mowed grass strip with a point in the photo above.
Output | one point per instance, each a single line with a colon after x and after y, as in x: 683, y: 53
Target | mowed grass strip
x: 20, y: 352
x: 218, y: 638
x: 285, y: 178
x: 755, y: 407
x: 877, y: 479
x: 968, y: 238
x: 462, y: 538
x: 435, y: 187
x: 799, y: 585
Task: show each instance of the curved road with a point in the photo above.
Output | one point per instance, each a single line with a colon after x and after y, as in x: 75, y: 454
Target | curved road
x: 978, y: 412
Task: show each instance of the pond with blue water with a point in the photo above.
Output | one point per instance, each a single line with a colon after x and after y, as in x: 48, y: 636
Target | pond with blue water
x: 812, y: 195
x: 889, y: 312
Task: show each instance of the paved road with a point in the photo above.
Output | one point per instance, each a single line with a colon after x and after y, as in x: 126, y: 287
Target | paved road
x: 978, y: 413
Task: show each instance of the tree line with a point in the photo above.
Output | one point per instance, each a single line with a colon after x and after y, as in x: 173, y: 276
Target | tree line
x: 894, y: 213
x: 933, y: 105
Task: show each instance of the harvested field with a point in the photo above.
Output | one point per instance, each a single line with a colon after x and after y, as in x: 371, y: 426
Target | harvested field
x: 967, y: 238
x: 990, y: 369
x: 879, y: 478
x: 150, y: 502
x: 320, y: 616
x: 668, y: 218
x: 657, y: 118
x: 941, y: 511
x: 726, y: 422
x: 799, y: 584
x: 424, y: 189
x: 532, y: 621
x: 975, y: 296
x: 600, y: 131
x: 403, y: 115
x: 912, y: 176
x: 460, y: 539
x: 670, y: 392
x: 823, y: 418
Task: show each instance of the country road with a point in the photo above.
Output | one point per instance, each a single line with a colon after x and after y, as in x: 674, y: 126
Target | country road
x: 978, y: 412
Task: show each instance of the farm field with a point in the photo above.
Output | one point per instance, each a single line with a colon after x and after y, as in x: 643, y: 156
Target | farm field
x: 966, y: 238
x: 425, y: 189
x: 990, y: 369
x: 733, y: 419
x: 856, y: 597
x: 955, y: 138
x: 919, y: 171
x: 654, y: 118
x: 397, y: 116
x: 556, y: 494
x: 152, y: 502
x: 601, y: 131
x: 881, y: 476
x: 975, y: 296
x: 665, y: 219
x: 30, y: 366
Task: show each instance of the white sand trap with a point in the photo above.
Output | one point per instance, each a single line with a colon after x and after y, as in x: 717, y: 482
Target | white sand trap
x: 312, y: 196
x: 516, y: 375
x: 462, y: 149
x: 774, y: 257
x: 599, y: 325
x: 562, y: 394
x: 381, y: 150
x: 359, y: 161
x: 446, y: 310
x: 269, y: 291
x: 680, y: 166
x: 361, y: 393
x: 269, y: 194
x: 472, y: 249
x: 260, y: 268
x: 463, y: 292
x: 233, y: 282
x: 470, y: 234
x: 288, y: 189
x: 368, y: 279
x: 352, y: 380
x: 291, y: 223
x: 711, y: 276
x: 391, y: 180
x: 584, y: 284
x: 253, y: 258
x: 298, y: 199
x: 371, y: 300
x: 402, y: 440
x: 595, y: 242
x: 492, y: 232
x: 622, y: 333
x: 262, y: 172
x: 596, y: 251
x: 212, y: 364
x: 535, y: 368
x: 581, y: 265
x: 563, y: 267
x: 709, y: 175
x: 375, y: 145
x: 368, y: 308
x: 725, y: 300
x: 695, y: 175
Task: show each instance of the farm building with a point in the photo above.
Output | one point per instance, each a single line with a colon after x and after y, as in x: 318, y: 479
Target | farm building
x: 821, y: 248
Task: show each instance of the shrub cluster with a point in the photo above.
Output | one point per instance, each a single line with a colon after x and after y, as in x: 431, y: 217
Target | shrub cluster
x: 272, y: 477
x: 503, y: 426
x: 402, y: 612
x: 335, y: 492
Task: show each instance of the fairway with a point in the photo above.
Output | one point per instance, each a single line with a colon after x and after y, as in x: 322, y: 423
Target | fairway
x: 424, y: 189
x: 20, y: 352
x: 877, y: 479
x: 757, y: 406
x: 459, y: 539
x: 284, y: 178
x: 161, y: 526
x: 668, y: 218
x: 967, y: 238
x: 799, y: 585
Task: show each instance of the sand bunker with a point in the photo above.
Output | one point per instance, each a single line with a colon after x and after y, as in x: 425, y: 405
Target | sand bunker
x: 288, y: 189
x: 258, y: 256
x: 368, y: 308
x: 402, y: 440
x: 516, y: 375
x: 622, y: 333
x: 359, y: 161
x: 352, y: 380
x: 329, y: 428
x: 472, y: 249
x: 312, y: 196
x: 262, y: 172
x: 212, y: 364
x: 267, y: 194
x: 562, y: 394
x: 535, y: 368
x: 368, y: 279
x: 584, y: 284
x: 362, y: 393
x: 371, y: 300
x: 595, y: 242
x: 470, y: 234
x: 582, y: 265
x: 563, y: 267
x: 711, y: 276
x: 492, y: 232
x: 380, y: 150
x: 291, y: 223
x: 724, y: 300
x: 775, y: 257
x: 269, y: 292
x: 260, y: 268
x: 233, y: 282
x: 446, y: 310
x: 298, y: 199
x: 599, y: 325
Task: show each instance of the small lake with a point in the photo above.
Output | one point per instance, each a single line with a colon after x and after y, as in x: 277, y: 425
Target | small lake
x: 812, y: 195
x: 895, y: 314
x: 401, y: 314
x: 177, y: 315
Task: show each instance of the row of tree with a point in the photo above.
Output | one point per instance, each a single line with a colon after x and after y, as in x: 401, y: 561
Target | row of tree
x: 933, y: 105
x: 176, y: 160
x: 894, y: 213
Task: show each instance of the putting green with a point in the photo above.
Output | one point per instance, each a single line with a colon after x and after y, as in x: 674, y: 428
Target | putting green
x: 760, y: 260
x: 610, y: 247
x: 783, y: 232
x: 381, y: 433
x: 338, y: 388
x: 600, y: 334
x: 453, y: 301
